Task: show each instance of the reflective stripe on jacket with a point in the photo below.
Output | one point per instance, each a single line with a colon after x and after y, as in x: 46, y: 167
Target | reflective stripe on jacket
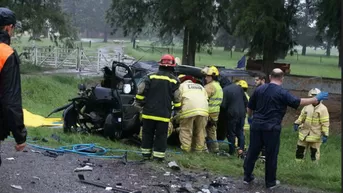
x: 246, y: 123
x: 156, y: 94
x: 314, y: 122
x: 215, y: 94
x: 194, y: 100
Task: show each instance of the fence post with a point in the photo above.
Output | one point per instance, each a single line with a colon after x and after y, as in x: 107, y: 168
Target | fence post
x: 98, y: 65
x: 78, y: 59
x: 36, y: 56
x: 56, y: 56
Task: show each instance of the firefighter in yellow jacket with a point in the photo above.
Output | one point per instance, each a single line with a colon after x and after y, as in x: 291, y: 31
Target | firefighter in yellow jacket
x: 313, y: 125
x: 193, y: 115
x: 215, y: 94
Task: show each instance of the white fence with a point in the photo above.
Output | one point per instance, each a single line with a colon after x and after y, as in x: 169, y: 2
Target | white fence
x: 80, y: 59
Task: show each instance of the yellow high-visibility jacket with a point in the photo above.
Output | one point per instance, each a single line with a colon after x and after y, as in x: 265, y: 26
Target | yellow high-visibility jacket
x: 314, y: 122
x: 194, y: 100
x: 215, y: 94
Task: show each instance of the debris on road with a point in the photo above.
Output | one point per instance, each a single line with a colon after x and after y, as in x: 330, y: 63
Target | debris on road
x: 34, y: 151
x: 173, y: 165
x: 10, y: 158
x: 115, y: 189
x: 85, y: 168
x: 16, y: 187
x: 35, y: 177
x: 51, y: 154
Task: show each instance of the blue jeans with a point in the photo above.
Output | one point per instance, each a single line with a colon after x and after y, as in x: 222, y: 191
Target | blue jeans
x: 235, y: 129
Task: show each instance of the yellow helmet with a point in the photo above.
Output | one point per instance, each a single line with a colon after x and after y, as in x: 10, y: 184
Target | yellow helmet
x: 181, y: 76
x: 242, y: 83
x: 313, y: 92
x: 210, y: 71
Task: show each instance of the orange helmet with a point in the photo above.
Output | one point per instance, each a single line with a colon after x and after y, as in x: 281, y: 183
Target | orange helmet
x: 167, y: 60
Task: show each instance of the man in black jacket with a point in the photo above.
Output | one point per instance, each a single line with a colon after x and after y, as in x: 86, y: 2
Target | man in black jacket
x: 156, y: 93
x: 234, y: 105
x: 11, y: 112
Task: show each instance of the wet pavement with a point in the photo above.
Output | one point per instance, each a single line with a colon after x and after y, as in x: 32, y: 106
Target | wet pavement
x: 35, y: 172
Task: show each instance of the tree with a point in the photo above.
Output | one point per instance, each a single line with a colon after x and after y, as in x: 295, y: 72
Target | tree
x: 329, y: 23
x: 269, y: 23
x: 306, y: 32
x: 41, y: 15
x: 89, y: 15
x: 195, y: 19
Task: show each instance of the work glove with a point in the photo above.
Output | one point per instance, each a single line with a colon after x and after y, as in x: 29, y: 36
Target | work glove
x: 324, y: 139
x: 296, y: 127
x: 322, y: 96
x: 250, y: 120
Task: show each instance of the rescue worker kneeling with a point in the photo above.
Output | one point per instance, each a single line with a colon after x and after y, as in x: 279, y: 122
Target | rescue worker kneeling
x: 313, y: 124
x: 215, y: 95
x: 155, y: 94
x: 193, y: 115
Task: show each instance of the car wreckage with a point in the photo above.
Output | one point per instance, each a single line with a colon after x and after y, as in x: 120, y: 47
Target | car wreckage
x: 108, y: 108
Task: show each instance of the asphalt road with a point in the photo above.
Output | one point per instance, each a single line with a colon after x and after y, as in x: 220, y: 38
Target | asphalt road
x: 36, y: 173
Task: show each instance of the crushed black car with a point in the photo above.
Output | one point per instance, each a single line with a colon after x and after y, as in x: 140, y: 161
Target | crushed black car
x: 108, y: 107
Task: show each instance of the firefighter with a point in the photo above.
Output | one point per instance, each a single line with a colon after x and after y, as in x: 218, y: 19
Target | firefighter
x: 156, y: 93
x: 313, y: 125
x: 245, y: 87
x: 193, y: 115
x: 234, y: 107
x: 215, y: 94
x: 11, y: 113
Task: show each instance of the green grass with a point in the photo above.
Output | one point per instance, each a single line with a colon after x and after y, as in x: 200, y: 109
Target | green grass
x: 312, y: 65
x: 41, y: 94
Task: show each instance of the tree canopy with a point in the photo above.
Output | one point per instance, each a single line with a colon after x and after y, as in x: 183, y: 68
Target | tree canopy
x: 329, y: 22
x: 40, y: 15
x: 195, y: 19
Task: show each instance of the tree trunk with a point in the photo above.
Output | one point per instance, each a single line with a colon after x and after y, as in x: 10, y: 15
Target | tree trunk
x: 105, y: 36
x: 303, y: 51
x: 268, y: 59
x: 189, y: 48
x: 328, y: 47
x: 340, y: 57
x: 199, y: 48
x: 106, y: 30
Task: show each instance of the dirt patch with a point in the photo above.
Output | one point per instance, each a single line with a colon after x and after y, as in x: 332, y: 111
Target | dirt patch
x: 35, y: 172
x: 333, y: 104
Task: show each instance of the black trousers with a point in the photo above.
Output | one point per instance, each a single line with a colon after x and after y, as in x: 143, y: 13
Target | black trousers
x: 235, y: 129
x: 154, y: 138
x: 271, y: 140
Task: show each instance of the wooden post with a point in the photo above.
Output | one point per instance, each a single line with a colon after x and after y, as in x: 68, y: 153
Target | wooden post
x: 56, y: 57
x: 98, y: 65
x: 36, y: 56
x: 78, y: 59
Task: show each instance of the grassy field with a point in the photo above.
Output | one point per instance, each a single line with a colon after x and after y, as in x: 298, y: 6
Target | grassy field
x: 41, y: 94
x: 312, y: 65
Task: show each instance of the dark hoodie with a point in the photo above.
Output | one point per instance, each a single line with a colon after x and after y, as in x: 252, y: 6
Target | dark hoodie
x: 234, y: 100
x: 11, y: 111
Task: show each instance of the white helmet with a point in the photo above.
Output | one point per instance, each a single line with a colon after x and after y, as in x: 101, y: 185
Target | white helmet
x: 313, y: 92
